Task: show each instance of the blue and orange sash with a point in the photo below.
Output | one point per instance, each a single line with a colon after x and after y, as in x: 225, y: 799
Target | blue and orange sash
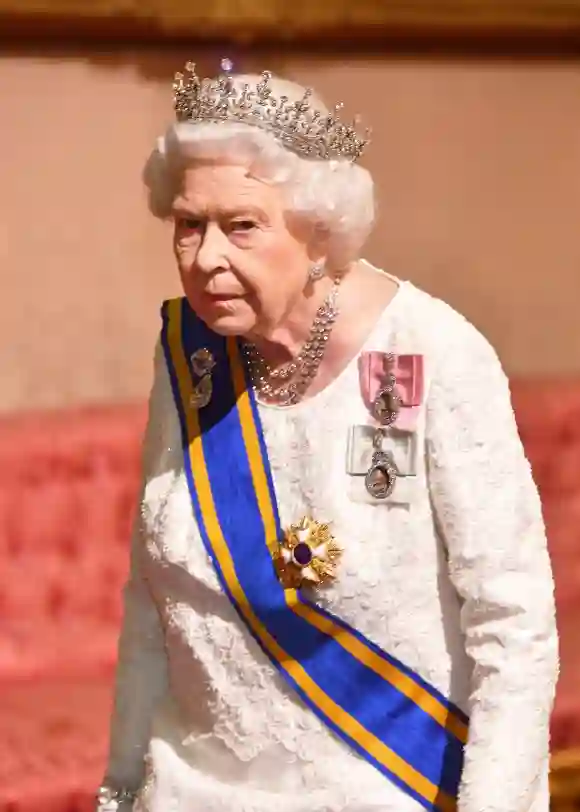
x: 388, y: 714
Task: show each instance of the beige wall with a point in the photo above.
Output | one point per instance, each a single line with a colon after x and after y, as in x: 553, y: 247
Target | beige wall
x: 478, y: 166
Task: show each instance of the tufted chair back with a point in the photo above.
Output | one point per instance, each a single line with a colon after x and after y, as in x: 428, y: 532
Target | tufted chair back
x: 548, y: 414
x: 67, y: 491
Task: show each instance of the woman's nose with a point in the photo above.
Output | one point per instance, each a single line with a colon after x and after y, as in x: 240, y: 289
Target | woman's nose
x: 211, y: 253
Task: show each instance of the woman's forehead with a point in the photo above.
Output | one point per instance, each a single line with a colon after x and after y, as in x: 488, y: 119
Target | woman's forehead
x: 224, y: 187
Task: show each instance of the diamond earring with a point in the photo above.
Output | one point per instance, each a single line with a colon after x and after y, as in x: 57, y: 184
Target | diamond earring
x: 316, y: 272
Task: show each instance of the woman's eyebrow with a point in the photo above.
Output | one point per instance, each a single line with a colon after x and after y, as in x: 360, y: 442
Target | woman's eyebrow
x: 238, y: 211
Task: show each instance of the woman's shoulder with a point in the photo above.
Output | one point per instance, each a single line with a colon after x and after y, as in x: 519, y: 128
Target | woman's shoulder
x: 439, y: 331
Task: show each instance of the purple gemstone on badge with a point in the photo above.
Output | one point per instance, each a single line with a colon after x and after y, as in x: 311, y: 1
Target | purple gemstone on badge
x: 302, y: 554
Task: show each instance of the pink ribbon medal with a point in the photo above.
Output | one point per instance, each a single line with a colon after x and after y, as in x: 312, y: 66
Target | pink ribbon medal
x: 392, y: 390
x: 392, y: 387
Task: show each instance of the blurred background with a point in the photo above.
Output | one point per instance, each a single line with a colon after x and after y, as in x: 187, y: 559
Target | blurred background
x: 475, y: 111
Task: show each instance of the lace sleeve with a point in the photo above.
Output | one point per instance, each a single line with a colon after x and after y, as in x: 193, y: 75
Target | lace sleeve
x: 489, y: 513
x: 141, y: 671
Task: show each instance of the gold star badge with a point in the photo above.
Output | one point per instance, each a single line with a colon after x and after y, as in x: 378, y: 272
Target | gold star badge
x: 308, y: 553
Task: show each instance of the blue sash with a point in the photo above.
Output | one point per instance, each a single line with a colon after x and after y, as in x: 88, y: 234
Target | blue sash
x: 388, y: 714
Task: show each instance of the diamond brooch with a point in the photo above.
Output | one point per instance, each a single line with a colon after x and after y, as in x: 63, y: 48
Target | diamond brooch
x: 202, y: 364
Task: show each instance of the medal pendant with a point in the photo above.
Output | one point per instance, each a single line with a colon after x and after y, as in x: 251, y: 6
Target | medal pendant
x: 381, y: 476
x: 387, y: 405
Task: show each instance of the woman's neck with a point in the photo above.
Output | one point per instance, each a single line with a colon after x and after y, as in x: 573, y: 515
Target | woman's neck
x: 283, y: 343
x: 363, y: 296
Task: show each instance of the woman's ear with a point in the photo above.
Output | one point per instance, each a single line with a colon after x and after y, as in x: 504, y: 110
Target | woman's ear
x: 318, y: 244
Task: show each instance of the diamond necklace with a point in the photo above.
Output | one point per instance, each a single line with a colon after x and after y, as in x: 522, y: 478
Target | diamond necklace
x: 288, y: 384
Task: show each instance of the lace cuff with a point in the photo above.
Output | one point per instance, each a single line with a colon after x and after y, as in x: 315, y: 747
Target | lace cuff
x: 110, y: 799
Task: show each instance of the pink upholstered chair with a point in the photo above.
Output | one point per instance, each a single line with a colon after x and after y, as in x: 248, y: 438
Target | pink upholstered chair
x: 68, y: 483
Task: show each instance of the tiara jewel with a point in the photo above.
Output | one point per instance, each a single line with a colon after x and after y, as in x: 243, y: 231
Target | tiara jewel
x: 297, y: 125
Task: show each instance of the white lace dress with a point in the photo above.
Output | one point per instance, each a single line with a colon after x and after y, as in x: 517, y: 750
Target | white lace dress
x: 455, y: 581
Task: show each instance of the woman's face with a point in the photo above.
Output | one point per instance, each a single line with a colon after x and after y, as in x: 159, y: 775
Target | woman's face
x: 243, y: 265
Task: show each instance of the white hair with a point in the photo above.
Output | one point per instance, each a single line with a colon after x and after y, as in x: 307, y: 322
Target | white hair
x: 336, y: 196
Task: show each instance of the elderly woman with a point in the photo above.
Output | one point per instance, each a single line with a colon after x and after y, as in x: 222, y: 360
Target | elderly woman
x: 340, y: 595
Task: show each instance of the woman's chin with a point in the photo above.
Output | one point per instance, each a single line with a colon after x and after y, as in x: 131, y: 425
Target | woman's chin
x: 228, y: 322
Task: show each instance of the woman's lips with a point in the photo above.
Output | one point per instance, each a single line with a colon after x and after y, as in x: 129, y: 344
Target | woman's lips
x: 222, y: 300
x: 224, y: 297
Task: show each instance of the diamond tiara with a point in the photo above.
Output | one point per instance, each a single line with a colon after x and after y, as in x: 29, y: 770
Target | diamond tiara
x: 296, y: 125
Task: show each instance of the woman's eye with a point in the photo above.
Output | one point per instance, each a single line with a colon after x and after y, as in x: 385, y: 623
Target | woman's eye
x: 189, y: 223
x: 243, y: 225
